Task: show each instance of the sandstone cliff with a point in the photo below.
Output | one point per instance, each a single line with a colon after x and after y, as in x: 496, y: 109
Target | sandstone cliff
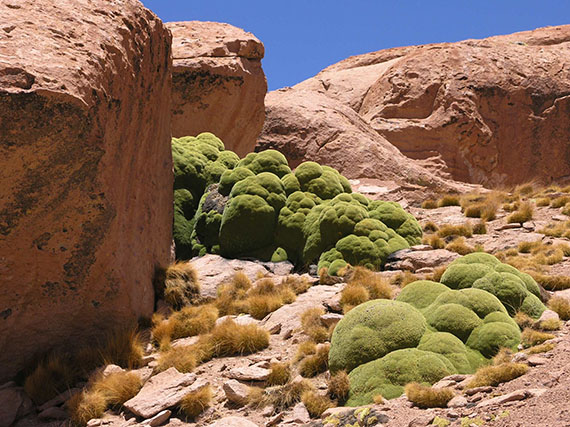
x: 492, y: 111
x: 218, y: 83
x: 86, y: 170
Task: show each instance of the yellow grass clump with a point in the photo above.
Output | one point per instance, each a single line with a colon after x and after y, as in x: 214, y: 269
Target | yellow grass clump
x: 428, y: 397
x: 304, y: 349
x: 339, y: 386
x: 561, y: 306
x: 448, y: 200
x: 543, y: 201
x: 523, y: 214
x: 403, y: 279
x: 550, y: 325
x: 196, y: 402
x: 434, y: 241
x: 497, y: 374
x: 280, y: 397
x: 280, y: 374
x: 530, y: 337
x: 464, y: 230
x: 317, y: 363
x: 551, y: 283
x: 315, y: 403
x: 429, y: 204
x: 229, y: 338
x: 460, y: 246
x: 178, y: 284
x: 559, y: 201
x: 541, y: 348
x: 312, y: 324
x: 430, y: 227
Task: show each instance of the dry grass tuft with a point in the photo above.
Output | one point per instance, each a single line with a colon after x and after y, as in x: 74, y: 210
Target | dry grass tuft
x: 353, y: 295
x: 85, y: 406
x: 196, y: 402
x: 313, y: 326
x: 523, y: 320
x: 280, y: 397
x: 480, y: 227
x: 316, y: 363
x: 364, y: 285
x: 280, y: 374
x: 428, y: 397
x: 543, y: 201
x: 378, y: 399
x: 187, y: 322
x: 304, y: 349
x: 184, y: 359
x: 315, y: 403
x: 561, y: 306
x: 448, y: 200
x: 437, y: 273
x: 530, y: 337
x: 497, y: 374
x: 231, y: 295
x: 403, y: 279
x: 102, y: 393
x: 541, y: 348
x: 464, y: 230
x: 557, y: 229
x: 298, y: 284
x: 430, y: 227
x: 566, y: 210
x: 181, y: 287
x: 460, y: 246
x: 505, y: 355
x: 229, y: 339
x: 434, y: 241
x: 339, y: 386
x: 523, y: 214
x: 260, y: 306
x: 550, y: 325
x: 551, y: 283
x: 429, y: 204
x: 52, y: 376
x: 527, y: 247
x: 559, y: 202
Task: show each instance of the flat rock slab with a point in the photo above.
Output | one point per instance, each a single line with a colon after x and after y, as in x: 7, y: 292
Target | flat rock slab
x: 249, y: 373
x: 214, y: 270
x: 509, y: 397
x: 236, y: 392
x: 233, y: 422
x: 414, y: 260
x: 290, y: 315
x: 160, y: 392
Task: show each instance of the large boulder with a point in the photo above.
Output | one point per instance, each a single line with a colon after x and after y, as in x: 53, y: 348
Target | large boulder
x: 218, y: 83
x: 86, y: 170
x: 490, y: 111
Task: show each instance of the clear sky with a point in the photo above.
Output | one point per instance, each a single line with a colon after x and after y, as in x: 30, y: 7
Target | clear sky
x: 302, y: 37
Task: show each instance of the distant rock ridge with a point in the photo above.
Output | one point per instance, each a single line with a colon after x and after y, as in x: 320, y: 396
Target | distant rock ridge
x: 493, y: 111
x: 218, y: 83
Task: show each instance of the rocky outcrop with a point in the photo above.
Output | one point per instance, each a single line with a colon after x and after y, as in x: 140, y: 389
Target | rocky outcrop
x: 218, y: 83
x: 86, y: 170
x: 492, y: 111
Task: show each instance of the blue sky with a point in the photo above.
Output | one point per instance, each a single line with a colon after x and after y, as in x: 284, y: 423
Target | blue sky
x: 302, y: 37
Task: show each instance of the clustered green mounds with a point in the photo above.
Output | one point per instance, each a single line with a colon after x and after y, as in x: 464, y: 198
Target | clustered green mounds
x: 257, y: 207
x: 430, y: 330
x: 198, y: 162
x: 516, y: 290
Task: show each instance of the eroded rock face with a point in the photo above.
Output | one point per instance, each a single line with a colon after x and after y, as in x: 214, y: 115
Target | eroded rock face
x: 492, y: 111
x: 218, y: 83
x: 86, y: 170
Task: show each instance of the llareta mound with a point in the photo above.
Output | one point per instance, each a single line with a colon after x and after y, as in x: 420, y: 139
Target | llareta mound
x: 257, y: 207
x: 433, y: 329
x: 492, y: 111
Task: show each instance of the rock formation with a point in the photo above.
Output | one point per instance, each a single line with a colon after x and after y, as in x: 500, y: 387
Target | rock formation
x: 492, y: 111
x: 86, y: 170
x: 218, y: 83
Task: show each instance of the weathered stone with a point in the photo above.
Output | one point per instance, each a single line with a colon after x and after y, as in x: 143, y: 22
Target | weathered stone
x: 475, y: 390
x: 11, y: 399
x: 158, y: 419
x: 218, y: 83
x: 53, y: 413
x: 548, y: 315
x: 457, y: 402
x: 213, y: 271
x: 414, y: 260
x: 185, y: 342
x: 249, y: 373
x: 112, y: 369
x: 534, y: 360
x: 290, y: 314
x: 233, y: 422
x: 242, y: 319
x: 84, y: 107
x: 236, y: 392
x: 298, y: 415
x: 509, y: 397
x: 162, y: 391
x: 330, y: 319
x: 422, y: 420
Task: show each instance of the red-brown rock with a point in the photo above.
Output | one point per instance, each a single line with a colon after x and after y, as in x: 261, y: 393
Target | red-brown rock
x: 492, y: 111
x: 218, y: 83
x: 85, y: 167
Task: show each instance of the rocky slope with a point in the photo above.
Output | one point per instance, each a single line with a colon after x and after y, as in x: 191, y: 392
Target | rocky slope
x: 490, y: 111
x: 86, y: 170
x: 218, y: 83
